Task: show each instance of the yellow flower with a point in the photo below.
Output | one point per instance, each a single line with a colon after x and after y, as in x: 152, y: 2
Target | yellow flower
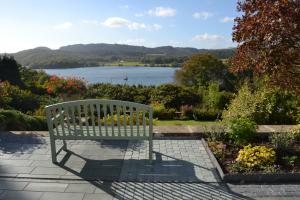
x: 256, y: 156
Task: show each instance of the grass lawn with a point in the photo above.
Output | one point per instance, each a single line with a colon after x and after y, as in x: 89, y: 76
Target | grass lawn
x: 184, y: 122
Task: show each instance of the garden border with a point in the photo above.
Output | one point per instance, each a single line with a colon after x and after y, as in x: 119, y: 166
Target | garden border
x: 251, y: 178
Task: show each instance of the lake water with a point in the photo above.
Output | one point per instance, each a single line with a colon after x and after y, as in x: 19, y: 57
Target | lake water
x: 116, y: 75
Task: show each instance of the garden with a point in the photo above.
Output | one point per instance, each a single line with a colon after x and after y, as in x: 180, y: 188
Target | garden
x: 239, y: 149
x: 258, y: 85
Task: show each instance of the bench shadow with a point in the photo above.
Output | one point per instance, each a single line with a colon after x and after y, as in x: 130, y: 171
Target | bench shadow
x: 20, y: 142
x: 171, y: 178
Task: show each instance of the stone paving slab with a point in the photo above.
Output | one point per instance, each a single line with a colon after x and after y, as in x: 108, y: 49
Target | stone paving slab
x: 174, y: 161
x: 181, y: 170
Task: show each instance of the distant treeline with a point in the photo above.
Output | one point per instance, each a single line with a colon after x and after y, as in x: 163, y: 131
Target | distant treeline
x: 102, y: 54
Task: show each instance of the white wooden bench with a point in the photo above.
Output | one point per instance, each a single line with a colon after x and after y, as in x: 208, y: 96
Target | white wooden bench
x: 98, y: 119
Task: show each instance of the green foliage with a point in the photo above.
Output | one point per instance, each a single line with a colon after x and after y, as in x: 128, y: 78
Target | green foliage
x: 283, y: 141
x: 242, y: 130
x: 173, y: 96
x: 242, y: 106
x: 205, y: 114
x: 139, y: 94
x: 290, y: 160
x: 199, y: 70
x: 114, y: 119
x: 213, y: 98
x: 295, y: 132
x: 218, y: 148
x: 264, y: 106
x: 34, y: 80
x: 285, y: 107
x: 216, y: 133
x: 17, y: 121
x: 9, y: 70
x: 13, y: 97
x: 161, y: 112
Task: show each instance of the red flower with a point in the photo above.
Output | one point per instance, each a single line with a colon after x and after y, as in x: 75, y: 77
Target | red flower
x: 54, y: 78
x: 49, y: 90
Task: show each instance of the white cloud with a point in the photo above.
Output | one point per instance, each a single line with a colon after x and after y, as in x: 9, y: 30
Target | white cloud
x: 94, y: 22
x: 136, y: 26
x: 118, y: 22
x: 115, y: 22
x: 227, y: 19
x: 162, y: 12
x: 207, y: 36
x: 63, y: 26
x: 202, y: 15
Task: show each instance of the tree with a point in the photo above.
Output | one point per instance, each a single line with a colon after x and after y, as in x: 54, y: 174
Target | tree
x: 9, y: 70
x: 268, y: 36
x: 199, y: 70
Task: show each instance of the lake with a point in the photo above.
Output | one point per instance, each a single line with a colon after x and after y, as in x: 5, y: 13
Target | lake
x: 117, y: 75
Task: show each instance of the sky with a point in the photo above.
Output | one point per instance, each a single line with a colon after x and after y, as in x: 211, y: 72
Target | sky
x: 26, y: 24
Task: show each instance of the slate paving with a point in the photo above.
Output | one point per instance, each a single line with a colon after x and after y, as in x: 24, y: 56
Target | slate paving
x: 119, y: 170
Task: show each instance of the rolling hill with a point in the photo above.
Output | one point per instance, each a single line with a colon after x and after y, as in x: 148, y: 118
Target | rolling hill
x: 85, y: 55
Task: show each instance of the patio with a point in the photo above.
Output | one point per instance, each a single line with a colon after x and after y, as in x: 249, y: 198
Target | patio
x: 118, y: 170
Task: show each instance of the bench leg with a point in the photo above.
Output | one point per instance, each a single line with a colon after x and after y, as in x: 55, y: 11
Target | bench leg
x: 53, y: 150
x: 64, y: 145
x: 150, y: 151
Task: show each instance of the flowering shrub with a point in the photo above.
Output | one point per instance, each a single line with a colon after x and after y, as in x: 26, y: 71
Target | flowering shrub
x: 257, y: 156
x: 65, y: 86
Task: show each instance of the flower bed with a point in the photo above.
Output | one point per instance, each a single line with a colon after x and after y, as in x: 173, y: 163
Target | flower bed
x: 274, y: 159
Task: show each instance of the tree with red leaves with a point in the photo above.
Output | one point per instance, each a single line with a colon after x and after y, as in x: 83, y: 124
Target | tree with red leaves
x: 268, y: 37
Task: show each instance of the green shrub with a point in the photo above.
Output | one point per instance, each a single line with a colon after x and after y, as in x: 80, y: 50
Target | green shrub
x: 173, y: 96
x: 264, y: 106
x: 242, y: 106
x: 290, y: 160
x: 283, y: 141
x: 295, y: 132
x: 13, y: 97
x: 204, y: 114
x: 242, y: 130
x: 139, y: 94
x: 162, y: 113
x: 216, y: 133
x: 215, y: 99
x: 17, y: 121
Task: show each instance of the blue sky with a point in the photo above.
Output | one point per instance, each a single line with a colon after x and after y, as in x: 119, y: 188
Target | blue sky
x: 186, y: 23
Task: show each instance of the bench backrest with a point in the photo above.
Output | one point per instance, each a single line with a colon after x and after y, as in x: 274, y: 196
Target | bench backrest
x: 99, y: 118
